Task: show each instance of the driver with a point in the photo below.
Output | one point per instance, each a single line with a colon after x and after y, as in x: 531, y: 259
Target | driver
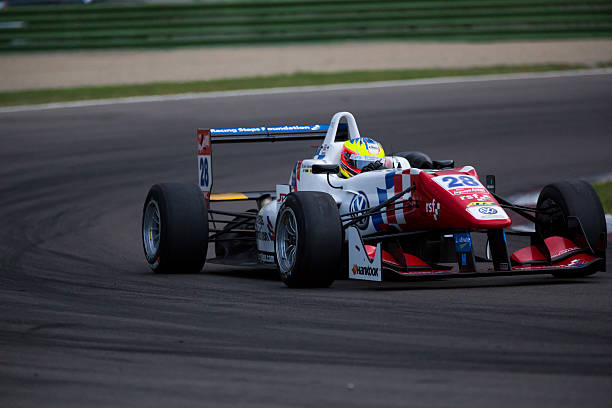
x: 361, y: 155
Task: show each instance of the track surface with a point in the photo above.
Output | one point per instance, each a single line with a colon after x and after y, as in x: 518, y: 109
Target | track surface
x: 83, y: 322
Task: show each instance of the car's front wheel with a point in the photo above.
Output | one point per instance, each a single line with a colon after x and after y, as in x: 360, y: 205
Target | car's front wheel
x: 308, y: 239
x: 561, y: 200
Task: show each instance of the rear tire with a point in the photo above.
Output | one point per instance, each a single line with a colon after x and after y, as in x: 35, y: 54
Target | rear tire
x: 308, y: 240
x: 175, y: 228
x: 418, y: 160
x: 570, y: 198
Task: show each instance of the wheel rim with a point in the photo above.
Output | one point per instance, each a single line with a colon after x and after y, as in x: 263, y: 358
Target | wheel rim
x: 151, y: 229
x: 286, y: 241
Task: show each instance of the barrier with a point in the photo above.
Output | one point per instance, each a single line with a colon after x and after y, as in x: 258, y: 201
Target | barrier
x: 217, y: 23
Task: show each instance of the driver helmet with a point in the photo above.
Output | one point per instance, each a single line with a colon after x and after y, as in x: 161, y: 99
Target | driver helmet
x: 358, y: 153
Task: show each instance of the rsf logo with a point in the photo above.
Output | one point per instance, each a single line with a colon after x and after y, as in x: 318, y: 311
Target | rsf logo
x: 433, y: 208
x: 358, y: 205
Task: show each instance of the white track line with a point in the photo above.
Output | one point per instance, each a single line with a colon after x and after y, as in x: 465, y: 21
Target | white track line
x: 303, y: 89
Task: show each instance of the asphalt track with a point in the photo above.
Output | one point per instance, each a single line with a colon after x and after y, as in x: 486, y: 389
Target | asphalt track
x: 83, y: 321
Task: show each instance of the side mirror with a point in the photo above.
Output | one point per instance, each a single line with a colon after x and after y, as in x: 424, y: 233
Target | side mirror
x: 325, y: 169
x: 490, y: 182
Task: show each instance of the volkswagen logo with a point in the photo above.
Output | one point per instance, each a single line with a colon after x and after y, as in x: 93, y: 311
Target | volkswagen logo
x: 487, y: 210
x: 358, y: 205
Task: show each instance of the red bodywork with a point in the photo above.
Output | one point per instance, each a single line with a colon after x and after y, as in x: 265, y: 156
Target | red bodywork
x: 453, y: 204
x: 440, y: 202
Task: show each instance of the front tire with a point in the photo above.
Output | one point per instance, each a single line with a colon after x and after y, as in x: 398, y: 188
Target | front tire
x: 308, y: 240
x: 576, y: 198
x: 175, y: 228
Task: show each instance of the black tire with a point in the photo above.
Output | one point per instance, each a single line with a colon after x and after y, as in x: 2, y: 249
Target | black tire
x: 417, y: 160
x: 183, y: 236
x: 318, y: 251
x: 570, y: 198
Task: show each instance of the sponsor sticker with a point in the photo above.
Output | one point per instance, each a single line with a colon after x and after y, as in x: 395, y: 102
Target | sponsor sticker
x: 433, y: 208
x: 476, y: 197
x: 233, y: 131
x: 467, y: 191
x: 576, y: 262
x: 270, y: 129
x: 294, y: 128
x: 487, y: 212
x: 372, y: 146
x: 476, y: 203
x: 359, y: 203
x: 321, y: 151
x: 365, y: 270
x: 463, y: 242
x: 260, y: 230
x: 265, y: 258
x: 563, y: 251
x: 264, y: 230
x: 282, y: 191
x: 203, y: 142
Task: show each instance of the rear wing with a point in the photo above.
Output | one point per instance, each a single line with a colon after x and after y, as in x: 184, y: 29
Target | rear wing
x: 206, y: 137
x: 273, y: 133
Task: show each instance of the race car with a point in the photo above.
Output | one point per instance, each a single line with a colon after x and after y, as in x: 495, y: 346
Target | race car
x: 352, y: 212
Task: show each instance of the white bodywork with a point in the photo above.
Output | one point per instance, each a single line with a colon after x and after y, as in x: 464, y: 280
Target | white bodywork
x: 352, y: 194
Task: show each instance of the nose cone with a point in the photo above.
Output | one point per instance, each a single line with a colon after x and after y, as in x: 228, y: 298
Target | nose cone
x: 467, y: 203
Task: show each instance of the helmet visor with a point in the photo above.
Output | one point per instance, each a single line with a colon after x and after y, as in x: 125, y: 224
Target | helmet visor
x: 358, y: 162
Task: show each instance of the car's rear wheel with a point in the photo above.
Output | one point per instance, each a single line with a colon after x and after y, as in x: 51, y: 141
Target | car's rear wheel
x: 417, y: 160
x: 175, y: 228
x: 558, y: 201
x: 308, y: 240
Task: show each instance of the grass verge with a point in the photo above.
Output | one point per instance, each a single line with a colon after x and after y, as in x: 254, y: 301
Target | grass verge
x: 605, y: 195
x: 274, y: 81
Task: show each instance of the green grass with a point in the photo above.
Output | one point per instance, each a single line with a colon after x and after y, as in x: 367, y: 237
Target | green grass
x: 605, y: 194
x: 274, y: 81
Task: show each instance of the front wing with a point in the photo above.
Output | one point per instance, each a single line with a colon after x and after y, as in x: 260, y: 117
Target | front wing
x: 563, y: 257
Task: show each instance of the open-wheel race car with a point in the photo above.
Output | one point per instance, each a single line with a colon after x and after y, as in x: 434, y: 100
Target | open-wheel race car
x: 359, y: 214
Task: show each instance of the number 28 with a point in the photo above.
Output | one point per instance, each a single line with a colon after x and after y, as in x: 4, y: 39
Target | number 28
x: 460, y: 181
x: 204, y: 176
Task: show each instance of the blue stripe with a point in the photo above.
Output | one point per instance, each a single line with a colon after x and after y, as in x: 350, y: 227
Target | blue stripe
x: 377, y: 219
x: 389, y: 178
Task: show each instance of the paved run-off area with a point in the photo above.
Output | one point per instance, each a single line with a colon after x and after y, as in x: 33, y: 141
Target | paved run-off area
x: 69, y: 69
